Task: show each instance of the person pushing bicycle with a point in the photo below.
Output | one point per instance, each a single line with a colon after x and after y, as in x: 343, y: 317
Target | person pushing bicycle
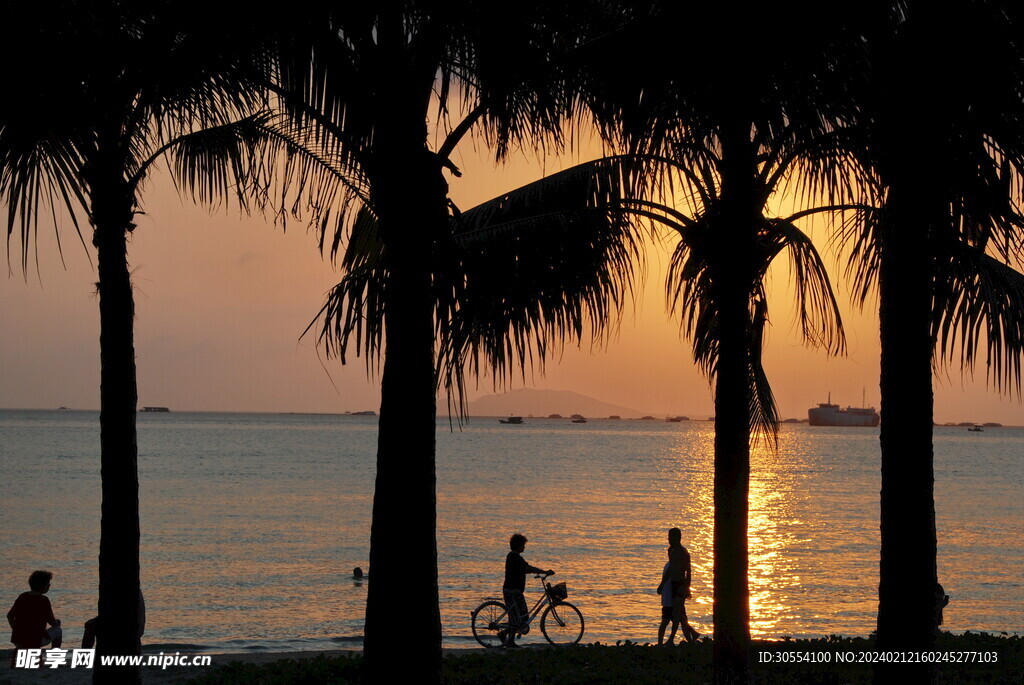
x: 516, y: 569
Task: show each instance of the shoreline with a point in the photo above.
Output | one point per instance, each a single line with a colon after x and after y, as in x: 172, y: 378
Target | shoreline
x: 565, y: 664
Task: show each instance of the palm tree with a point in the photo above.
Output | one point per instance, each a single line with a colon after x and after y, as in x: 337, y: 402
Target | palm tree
x: 944, y: 137
x: 359, y: 84
x: 716, y: 284
x: 80, y: 129
x: 742, y: 102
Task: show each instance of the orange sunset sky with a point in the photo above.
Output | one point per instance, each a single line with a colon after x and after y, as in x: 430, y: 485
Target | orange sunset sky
x: 221, y: 301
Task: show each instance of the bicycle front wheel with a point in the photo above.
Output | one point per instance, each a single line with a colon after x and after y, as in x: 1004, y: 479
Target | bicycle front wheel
x: 562, y: 624
x: 490, y: 624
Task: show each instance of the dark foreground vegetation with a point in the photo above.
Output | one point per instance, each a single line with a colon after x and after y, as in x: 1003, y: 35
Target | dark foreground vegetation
x: 640, y: 664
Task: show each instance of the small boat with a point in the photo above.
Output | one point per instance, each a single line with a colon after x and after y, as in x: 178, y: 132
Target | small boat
x: 155, y: 409
x: 976, y: 429
x: 512, y: 420
x: 676, y: 419
x: 578, y: 418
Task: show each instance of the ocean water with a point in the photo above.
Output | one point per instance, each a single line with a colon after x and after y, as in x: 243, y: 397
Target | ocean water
x: 251, y: 523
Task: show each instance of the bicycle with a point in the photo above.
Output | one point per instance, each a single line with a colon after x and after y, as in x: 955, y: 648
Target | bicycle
x: 561, y: 623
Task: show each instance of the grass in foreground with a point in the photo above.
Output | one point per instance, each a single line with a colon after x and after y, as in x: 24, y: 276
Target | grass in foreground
x: 645, y: 664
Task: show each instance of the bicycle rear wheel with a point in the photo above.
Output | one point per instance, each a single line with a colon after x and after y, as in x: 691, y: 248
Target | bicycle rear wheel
x: 562, y: 624
x: 490, y: 619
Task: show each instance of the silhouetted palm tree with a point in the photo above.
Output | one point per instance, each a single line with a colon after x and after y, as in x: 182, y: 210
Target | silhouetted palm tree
x: 942, y: 128
x: 716, y: 283
x: 737, y: 107
x: 118, y: 87
x: 359, y: 83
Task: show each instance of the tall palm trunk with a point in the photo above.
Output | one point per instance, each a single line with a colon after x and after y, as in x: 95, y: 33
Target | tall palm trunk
x: 732, y: 405
x: 731, y: 490
x: 410, y: 195
x: 907, y: 571
x: 112, y: 212
x: 910, y: 137
x: 410, y: 198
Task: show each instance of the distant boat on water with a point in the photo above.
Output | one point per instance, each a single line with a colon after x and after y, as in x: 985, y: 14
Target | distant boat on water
x: 677, y: 419
x: 828, y: 414
x: 155, y: 409
x: 975, y: 429
x: 578, y: 418
x: 512, y: 420
x: 368, y: 412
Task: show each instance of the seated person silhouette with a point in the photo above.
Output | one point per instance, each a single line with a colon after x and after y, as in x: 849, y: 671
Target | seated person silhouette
x: 93, y: 626
x: 941, y: 600
x: 31, y: 613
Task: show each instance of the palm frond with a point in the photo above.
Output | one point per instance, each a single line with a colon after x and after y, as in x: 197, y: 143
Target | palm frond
x: 859, y: 234
x: 979, y: 300
x: 690, y: 295
x: 819, y: 318
x: 517, y: 277
x: 38, y: 178
x: 764, y: 413
x: 353, y: 314
x: 263, y: 159
x: 549, y: 263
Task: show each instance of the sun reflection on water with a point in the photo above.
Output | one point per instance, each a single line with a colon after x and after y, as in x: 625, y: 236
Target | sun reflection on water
x: 772, y: 529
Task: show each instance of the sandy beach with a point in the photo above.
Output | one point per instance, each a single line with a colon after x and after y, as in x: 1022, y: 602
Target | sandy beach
x: 152, y: 674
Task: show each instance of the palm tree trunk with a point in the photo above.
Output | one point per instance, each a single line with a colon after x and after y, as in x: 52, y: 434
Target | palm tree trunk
x: 112, y: 212
x: 907, y: 569
x: 731, y: 491
x: 732, y: 404
x: 403, y: 543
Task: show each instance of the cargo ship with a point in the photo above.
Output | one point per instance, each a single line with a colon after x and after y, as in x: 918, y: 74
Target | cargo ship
x: 828, y: 414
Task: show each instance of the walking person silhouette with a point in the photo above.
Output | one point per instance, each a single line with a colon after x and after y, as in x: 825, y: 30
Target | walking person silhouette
x: 675, y: 585
x: 516, y: 569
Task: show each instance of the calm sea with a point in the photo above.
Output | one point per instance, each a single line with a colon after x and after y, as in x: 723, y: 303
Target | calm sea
x: 251, y: 523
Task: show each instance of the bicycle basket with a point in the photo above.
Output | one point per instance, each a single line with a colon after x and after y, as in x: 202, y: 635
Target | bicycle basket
x: 558, y: 592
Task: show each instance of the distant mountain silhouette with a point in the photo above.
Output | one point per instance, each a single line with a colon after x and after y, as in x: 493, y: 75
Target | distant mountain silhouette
x: 544, y: 402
